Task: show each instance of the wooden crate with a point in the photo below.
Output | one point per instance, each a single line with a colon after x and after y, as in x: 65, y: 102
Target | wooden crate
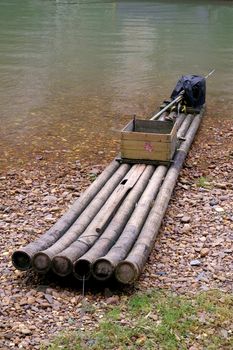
x: 149, y: 140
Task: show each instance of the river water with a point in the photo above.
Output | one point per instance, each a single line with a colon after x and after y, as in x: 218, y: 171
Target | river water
x: 74, y: 72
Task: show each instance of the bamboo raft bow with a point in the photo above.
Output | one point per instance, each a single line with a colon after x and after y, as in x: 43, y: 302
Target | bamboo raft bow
x: 112, y: 227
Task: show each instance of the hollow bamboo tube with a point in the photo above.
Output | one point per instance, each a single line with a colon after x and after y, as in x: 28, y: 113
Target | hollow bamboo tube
x: 185, y: 125
x: 62, y: 264
x: 180, y: 119
x: 127, y: 271
x: 41, y: 260
x: 118, y: 196
x: 21, y: 258
x: 82, y: 266
x: 103, y: 267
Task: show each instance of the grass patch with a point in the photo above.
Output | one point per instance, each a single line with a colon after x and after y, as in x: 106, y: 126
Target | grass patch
x: 203, y: 182
x: 158, y: 320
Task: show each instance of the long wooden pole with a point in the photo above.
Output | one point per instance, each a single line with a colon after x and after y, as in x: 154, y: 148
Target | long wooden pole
x: 41, y: 260
x: 185, y: 125
x: 128, y: 270
x: 103, y: 267
x: 90, y: 235
x: 22, y: 258
x: 82, y: 266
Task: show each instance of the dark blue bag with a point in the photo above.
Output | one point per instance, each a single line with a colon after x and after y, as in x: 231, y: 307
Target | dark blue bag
x: 194, y: 87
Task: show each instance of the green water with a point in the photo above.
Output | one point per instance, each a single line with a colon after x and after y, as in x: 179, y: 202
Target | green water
x: 74, y: 71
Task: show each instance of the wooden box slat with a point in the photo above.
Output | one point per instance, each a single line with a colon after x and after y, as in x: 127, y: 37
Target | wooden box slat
x: 149, y: 140
x: 141, y: 146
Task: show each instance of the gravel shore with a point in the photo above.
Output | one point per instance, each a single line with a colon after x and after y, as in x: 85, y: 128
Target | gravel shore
x: 193, y: 251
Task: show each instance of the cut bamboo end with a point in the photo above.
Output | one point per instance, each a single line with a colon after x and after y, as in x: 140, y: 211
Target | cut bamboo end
x: 102, y: 269
x: 41, y: 262
x: 82, y: 269
x: 62, y: 266
x: 126, y: 272
x: 21, y: 260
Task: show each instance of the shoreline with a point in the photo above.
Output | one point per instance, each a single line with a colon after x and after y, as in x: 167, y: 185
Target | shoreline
x: 198, y: 226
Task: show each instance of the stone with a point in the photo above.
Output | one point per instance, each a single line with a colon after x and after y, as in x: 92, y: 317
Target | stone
x: 202, y: 277
x: 195, y: 262
x: 224, y: 333
x: 31, y: 300
x: 185, y: 219
x: 219, y: 210
x: 49, y: 298
x: 204, y: 252
x: 9, y: 335
x: 113, y: 300
x: 213, y: 202
x: 24, y: 330
x: 186, y: 228
x: 221, y: 185
x: 218, y: 241
x: 50, y: 199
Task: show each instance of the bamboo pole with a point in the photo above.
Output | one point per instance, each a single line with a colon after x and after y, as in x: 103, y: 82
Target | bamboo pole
x: 82, y: 266
x: 41, y: 260
x: 119, y: 194
x: 21, y: 258
x: 103, y: 267
x: 90, y: 235
x: 185, y: 125
x: 127, y: 271
x: 179, y: 120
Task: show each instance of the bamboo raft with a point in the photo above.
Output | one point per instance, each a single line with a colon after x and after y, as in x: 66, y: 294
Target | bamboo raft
x: 111, y: 229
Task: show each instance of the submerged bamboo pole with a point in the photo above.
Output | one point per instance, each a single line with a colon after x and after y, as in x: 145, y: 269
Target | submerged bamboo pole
x: 41, y: 261
x: 103, y: 267
x: 127, y: 271
x: 62, y: 263
x: 21, y: 258
x: 82, y: 266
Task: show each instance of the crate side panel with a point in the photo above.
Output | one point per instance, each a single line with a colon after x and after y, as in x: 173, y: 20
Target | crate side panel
x: 151, y: 126
x: 148, y: 146
x: 140, y: 136
x: 135, y: 154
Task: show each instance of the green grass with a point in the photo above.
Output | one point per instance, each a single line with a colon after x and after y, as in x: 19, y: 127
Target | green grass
x: 158, y: 320
x: 203, y: 182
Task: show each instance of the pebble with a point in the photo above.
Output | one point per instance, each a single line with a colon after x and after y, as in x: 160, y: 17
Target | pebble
x: 186, y: 228
x: 25, y: 331
x: 49, y: 298
x: 113, y: 300
x: 219, y: 210
x: 202, y: 277
x: 185, y: 219
x: 213, y: 202
x: 195, y: 262
x: 221, y: 185
x: 204, y: 252
x: 50, y: 199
